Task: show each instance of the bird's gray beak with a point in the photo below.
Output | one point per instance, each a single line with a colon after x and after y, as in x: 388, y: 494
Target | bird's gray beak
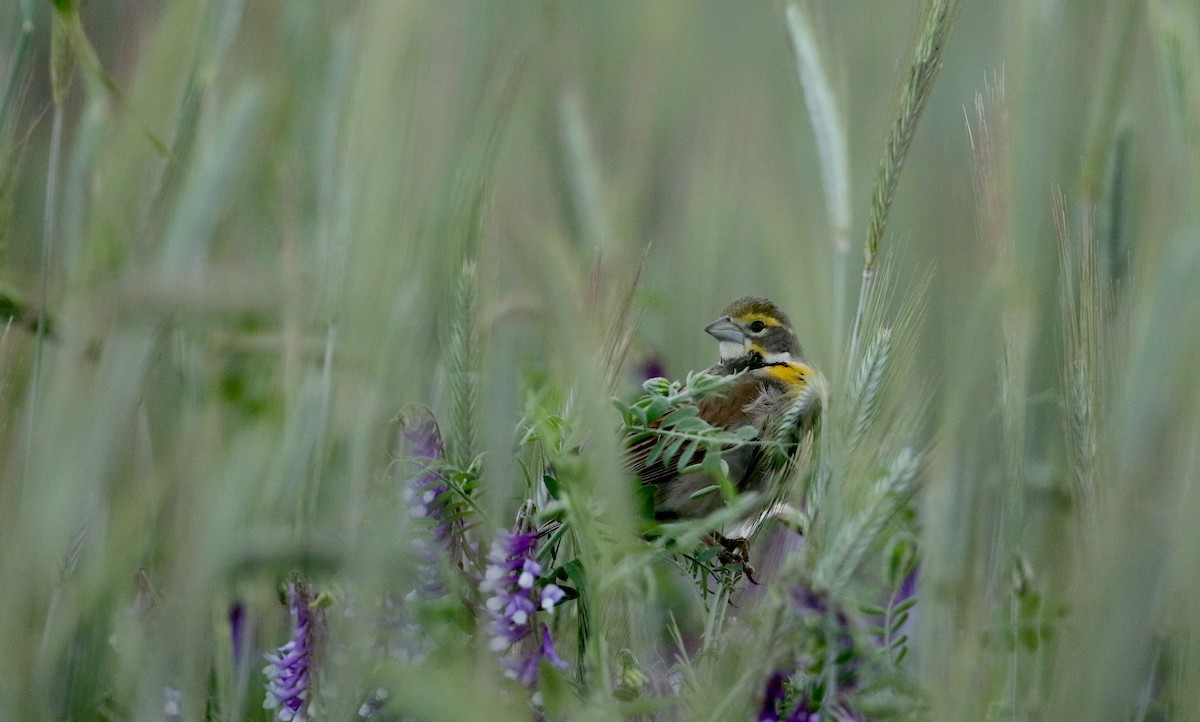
x: 723, y: 329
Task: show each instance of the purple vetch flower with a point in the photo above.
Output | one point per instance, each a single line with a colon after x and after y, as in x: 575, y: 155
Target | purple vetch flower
x: 172, y: 705
x: 775, y: 696
x: 426, y: 487
x: 291, y: 672
x: 427, y: 497
x: 515, y: 594
x: 651, y: 367
x: 524, y: 669
x: 812, y: 612
x: 813, y: 606
x: 237, y: 635
x: 908, y: 588
x: 439, y: 537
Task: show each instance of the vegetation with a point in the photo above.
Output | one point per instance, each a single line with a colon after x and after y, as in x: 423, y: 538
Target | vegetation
x: 316, y: 314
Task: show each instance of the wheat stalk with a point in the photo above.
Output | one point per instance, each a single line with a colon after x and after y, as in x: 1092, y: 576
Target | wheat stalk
x: 937, y: 23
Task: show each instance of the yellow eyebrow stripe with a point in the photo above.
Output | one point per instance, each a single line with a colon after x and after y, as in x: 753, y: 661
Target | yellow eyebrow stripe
x: 752, y: 317
x: 792, y: 373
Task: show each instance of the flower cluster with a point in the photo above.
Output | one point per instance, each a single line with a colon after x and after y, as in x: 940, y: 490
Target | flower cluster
x: 804, y: 711
x: 776, y: 695
x: 515, y: 594
x: 290, y: 674
x: 427, y: 497
x: 812, y: 611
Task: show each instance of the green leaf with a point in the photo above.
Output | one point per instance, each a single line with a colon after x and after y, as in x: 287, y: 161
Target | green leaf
x: 553, y: 511
x: 685, y: 458
x: 575, y: 572
x: 645, y: 500
x: 719, y: 470
x: 745, y: 433
x: 704, y: 492
x: 628, y: 415
x: 679, y: 413
x: 657, y: 407
x: 690, y: 425
x: 656, y: 451
x: 672, y: 451
x: 1029, y: 638
x: 1030, y: 600
x: 552, y: 485
x: 639, y: 436
x: 901, y: 559
x: 657, y: 385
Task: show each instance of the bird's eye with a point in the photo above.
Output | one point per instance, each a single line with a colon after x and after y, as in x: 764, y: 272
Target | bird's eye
x: 757, y: 327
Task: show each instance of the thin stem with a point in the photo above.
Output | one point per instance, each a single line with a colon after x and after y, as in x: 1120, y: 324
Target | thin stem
x: 326, y: 393
x: 48, y: 218
x: 840, y: 262
x: 1119, y: 33
x: 18, y: 66
x: 831, y: 630
x: 864, y: 293
x: 829, y: 130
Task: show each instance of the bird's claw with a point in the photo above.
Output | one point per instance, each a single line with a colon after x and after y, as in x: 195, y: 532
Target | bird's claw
x: 736, y: 551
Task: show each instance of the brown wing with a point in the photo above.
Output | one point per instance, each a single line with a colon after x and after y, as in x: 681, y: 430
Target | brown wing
x: 730, y: 410
x: 757, y: 399
x: 726, y: 411
x: 636, y: 454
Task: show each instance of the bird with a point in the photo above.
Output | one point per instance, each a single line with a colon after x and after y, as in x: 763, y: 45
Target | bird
x: 756, y: 341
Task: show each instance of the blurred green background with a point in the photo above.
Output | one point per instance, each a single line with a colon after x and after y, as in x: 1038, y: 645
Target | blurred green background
x: 236, y: 320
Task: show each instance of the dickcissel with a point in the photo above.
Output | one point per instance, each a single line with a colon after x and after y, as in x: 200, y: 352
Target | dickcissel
x: 755, y: 340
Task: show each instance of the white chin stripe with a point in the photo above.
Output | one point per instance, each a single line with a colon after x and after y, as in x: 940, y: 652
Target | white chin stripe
x: 783, y: 357
x: 730, y: 350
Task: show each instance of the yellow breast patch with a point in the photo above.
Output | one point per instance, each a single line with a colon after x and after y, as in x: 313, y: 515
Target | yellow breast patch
x: 791, y: 373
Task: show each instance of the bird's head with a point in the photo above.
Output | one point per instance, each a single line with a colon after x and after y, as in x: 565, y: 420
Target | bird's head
x: 753, y: 332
